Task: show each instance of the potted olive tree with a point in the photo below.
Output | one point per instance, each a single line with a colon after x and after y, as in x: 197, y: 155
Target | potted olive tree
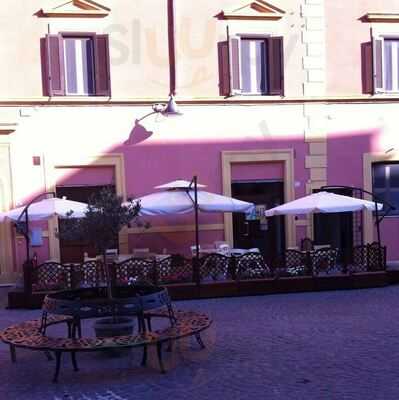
x: 105, y: 217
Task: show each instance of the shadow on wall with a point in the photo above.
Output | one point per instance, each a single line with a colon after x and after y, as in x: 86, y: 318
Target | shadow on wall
x: 138, y: 134
x: 346, y: 168
x: 155, y: 163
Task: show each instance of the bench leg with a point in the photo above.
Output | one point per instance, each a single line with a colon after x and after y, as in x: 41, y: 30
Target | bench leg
x: 70, y: 324
x: 13, y: 353
x: 159, y: 353
x: 169, y: 349
x: 144, y: 359
x: 73, y: 331
x: 149, y: 325
x: 141, y: 324
x: 57, y: 366
x: 48, y: 355
x: 74, y: 363
x: 200, y: 341
x: 80, y: 329
x: 76, y: 326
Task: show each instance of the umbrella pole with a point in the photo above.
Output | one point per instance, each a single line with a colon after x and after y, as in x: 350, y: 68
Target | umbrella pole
x: 196, y: 218
x: 27, y: 238
x: 194, y: 183
x: 377, y: 222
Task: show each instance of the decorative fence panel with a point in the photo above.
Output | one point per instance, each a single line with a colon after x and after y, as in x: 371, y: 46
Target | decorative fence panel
x: 212, y: 268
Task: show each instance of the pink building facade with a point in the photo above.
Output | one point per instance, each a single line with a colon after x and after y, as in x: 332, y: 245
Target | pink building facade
x: 274, y: 106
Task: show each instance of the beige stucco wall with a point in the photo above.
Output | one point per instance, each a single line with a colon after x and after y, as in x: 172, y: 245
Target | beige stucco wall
x: 345, y: 33
x: 139, y: 45
x: 198, y: 32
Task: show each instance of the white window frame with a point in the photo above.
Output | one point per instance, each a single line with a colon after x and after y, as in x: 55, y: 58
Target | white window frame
x: 240, y: 37
x: 263, y: 93
x: 235, y: 91
x: 78, y: 62
x: 384, y: 37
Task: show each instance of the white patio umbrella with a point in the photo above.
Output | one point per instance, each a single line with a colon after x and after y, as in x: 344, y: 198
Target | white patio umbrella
x: 44, y: 209
x: 183, y: 197
x: 179, y: 198
x: 47, y: 208
x: 323, y: 202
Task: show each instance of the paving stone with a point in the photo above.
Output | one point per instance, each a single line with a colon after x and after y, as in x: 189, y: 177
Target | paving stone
x: 329, y: 345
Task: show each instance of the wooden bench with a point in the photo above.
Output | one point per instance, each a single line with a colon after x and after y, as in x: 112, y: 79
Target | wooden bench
x: 28, y: 335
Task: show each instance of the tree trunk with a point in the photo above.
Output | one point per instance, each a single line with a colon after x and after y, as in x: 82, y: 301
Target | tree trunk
x: 107, y: 276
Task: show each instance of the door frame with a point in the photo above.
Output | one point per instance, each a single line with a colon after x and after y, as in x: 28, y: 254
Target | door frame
x: 260, y: 156
x: 8, y: 271
x: 368, y: 160
x: 115, y: 160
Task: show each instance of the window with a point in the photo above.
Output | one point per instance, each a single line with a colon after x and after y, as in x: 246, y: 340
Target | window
x: 76, y: 65
x: 391, y: 70
x: 386, y: 183
x: 386, y: 65
x: 79, y: 66
x: 251, y: 65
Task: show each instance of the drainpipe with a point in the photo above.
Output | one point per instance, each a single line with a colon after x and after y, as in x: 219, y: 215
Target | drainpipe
x: 172, y: 48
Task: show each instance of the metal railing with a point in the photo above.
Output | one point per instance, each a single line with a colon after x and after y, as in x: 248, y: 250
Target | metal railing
x: 212, y: 268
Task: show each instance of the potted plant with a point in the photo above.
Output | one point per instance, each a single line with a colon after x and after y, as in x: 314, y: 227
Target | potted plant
x: 105, y: 217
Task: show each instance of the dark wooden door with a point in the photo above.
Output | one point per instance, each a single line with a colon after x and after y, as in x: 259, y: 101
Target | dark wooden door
x: 335, y: 229
x: 266, y: 234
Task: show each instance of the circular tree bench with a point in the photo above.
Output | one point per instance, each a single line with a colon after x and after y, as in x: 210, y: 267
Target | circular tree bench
x: 29, y: 335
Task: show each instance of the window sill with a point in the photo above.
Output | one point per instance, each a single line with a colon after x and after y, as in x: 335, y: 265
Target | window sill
x: 386, y: 94
x: 251, y: 96
x: 76, y: 99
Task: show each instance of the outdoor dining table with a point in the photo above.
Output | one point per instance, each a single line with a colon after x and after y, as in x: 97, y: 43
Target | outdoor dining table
x: 123, y: 257
x: 235, y: 252
x: 315, y: 248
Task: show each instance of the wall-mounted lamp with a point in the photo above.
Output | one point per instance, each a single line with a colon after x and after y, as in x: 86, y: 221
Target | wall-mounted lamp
x: 170, y: 109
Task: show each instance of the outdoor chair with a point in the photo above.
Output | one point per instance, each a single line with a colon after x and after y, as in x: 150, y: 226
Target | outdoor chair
x: 307, y: 244
x: 214, y: 267
x: 252, y: 265
x: 377, y: 257
x: 193, y: 250
x: 324, y: 261
x: 359, y: 259
x: 174, y: 269
x: 220, y: 243
x: 224, y: 249
x: 141, y: 253
x: 88, y: 274
x: 292, y: 263
x: 133, y: 270
x: 111, y: 255
x: 367, y: 258
x: 50, y: 276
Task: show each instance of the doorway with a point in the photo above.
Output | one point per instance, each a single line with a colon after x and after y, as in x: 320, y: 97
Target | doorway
x: 335, y: 229
x: 73, y: 251
x: 257, y: 231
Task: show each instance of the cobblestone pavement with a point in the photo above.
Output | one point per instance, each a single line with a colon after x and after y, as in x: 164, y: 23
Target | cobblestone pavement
x: 330, y: 345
